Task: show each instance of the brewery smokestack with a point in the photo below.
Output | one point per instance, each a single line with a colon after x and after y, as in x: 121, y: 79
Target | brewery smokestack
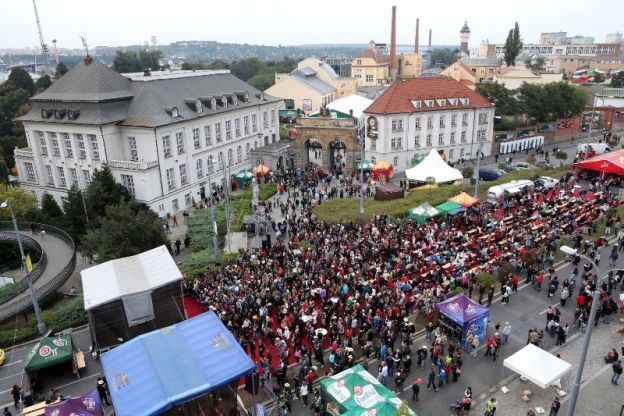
x: 392, y: 66
x: 429, y: 37
x: 417, y: 34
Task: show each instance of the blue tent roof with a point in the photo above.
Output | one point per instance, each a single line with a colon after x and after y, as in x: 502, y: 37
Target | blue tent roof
x: 461, y: 309
x: 153, y: 372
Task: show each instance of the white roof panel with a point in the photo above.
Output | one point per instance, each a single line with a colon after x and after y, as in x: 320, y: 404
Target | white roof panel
x: 433, y: 165
x: 114, y: 279
x: 355, y: 102
x: 539, y: 366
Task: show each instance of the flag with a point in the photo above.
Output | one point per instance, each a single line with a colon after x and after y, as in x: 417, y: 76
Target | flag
x: 29, y: 265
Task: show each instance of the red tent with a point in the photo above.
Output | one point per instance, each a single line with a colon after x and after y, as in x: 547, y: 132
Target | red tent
x: 612, y: 162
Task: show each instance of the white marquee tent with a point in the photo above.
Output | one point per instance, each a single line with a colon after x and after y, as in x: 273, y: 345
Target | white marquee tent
x: 537, y: 365
x: 433, y: 165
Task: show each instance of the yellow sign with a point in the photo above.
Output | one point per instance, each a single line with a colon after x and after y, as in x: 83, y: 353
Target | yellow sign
x: 29, y: 264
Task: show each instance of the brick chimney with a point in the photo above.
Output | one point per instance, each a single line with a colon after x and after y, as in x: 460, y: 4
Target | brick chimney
x: 417, y: 35
x: 429, y: 37
x: 392, y: 66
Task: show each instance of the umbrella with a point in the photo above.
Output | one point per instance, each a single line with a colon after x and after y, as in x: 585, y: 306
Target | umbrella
x: 242, y: 177
x: 261, y: 170
x: 321, y: 331
x: 382, y: 168
x: 366, y: 165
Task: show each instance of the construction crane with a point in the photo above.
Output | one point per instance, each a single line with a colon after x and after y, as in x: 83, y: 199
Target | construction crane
x: 55, y: 51
x: 44, y: 47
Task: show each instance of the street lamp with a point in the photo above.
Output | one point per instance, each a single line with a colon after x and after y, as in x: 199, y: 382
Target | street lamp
x: 576, y: 385
x: 41, y: 326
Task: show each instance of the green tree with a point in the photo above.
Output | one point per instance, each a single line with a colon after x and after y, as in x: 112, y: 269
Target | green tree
x: 20, y: 79
x: 246, y: 68
x: 126, y: 62
x: 533, y: 101
x: 504, y: 99
x: 149, y: 60
x: 513, y: 45
x: 20, y: 200
x: 617, y: 80
x: 599, y: 78
x: 43, y: 83
x: 61, y: 69
x: 74, y: 220
x: 443, y: 56
x: 103, y: 191
x: 51, y: 212
x: 537, y: 65
x: 262, y: 81
x: 218, y: 64
x: 124, y: 231
x: 11, y: 99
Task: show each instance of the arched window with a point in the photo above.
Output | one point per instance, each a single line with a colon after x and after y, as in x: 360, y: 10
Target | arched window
x: 239, y: 154
x: 230, y: 157
x: 220, y: 161
x: 210, y: 165
x: 200, y: 168
x: 247, y: 150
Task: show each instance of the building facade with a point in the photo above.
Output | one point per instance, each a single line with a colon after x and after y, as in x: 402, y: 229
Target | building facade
x: 414, y: 116
x: 165, y: 136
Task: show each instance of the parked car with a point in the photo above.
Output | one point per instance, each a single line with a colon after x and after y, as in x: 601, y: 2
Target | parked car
x: 510, y: 168
x: 1, y: 356
x: 547, y: 182
x: 490, y: 174
x: 524, y: 165
x: 543, y: 164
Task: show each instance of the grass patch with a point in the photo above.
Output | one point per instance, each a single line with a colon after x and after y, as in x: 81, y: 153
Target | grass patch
x: 67, y: 313
x: 348, y: 209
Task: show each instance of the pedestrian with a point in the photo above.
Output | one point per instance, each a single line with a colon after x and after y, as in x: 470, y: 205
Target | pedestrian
x: 175, y: 221
x: 475, y: 345
x: 554, y: 408
x: 101, y: 389
x: 415, y: 390
x: 565, y: 294
x: 617, y: 372
x: 489, y: 407
x: 399, y: 379
x: 303, y: 392
x: 178, y: 243
x: 383, y: 373
x: 506, y: 332
x: 431, y: 381
x: 7, y: 412
x: 16, y: 393
x: 441, y: 378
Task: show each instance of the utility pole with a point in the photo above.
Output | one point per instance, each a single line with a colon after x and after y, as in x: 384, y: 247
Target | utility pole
x: 255, y: 205
x: 362, y: 135
x: 589, y: 130
x: 476, y: 191
x: 215, y: 240
x: 41, y: 326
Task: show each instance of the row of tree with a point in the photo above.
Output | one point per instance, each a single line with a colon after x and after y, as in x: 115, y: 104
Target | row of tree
x: 538, y: 103
x: 138, y: 61
x: 105, y: 221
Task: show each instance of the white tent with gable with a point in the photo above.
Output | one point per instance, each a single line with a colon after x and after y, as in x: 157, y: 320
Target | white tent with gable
x: 433, y: 166
x: 539, y: 366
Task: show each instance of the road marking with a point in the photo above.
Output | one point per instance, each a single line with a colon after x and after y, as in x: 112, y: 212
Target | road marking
x: 553, y: 306
x: 7, y: 377
x: 77, y: 381
x: 10, y: 364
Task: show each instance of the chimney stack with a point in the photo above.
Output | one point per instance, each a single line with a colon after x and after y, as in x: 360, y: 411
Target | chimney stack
x: 417, y: 34
x: 430, y: 38
x: 392, y: 66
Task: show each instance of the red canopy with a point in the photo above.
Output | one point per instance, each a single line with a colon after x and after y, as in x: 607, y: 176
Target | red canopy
x: 612, y: 162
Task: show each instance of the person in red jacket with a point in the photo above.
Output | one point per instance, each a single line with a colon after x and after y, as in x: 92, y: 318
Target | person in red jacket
x: 580, y: 301
x: 514, y: 283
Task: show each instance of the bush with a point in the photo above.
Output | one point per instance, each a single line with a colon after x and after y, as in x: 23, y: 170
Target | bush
x: 467, y: 172
x: 505, y: 271
x: 528, y: 258
x: 486, y: 280
x: 561, y: 155
x: 197, y: 262
x: 530, y: 159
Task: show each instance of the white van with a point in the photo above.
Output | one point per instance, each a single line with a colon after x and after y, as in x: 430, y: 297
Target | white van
x: 598, y: 148
x: 498, y: 191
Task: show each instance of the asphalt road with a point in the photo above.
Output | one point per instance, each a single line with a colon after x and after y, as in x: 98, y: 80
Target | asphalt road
x: 12, y: 371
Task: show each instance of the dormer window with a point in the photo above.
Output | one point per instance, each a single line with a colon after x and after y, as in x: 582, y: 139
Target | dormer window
x: 234, y: 99
x: 224, y: 101
x: 442, y: 102
x: 73, y: 114
x: 198, y: 106
x: 59, y: 114
x: 246, y: 96
x: 417, y: 103
x: 464, y: 101
x: 452, y: 101
x: 429, y: 103
x: 46, y: 113
x: 174, y: 112
x: 213, y: 103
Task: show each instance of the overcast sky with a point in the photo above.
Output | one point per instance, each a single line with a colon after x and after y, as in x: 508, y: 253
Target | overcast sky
x: 294, y: 22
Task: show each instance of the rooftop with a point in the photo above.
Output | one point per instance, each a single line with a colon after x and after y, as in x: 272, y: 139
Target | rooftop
x: 413, y: 95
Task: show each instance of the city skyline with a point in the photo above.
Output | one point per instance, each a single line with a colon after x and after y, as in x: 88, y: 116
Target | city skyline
x: 346, y: 22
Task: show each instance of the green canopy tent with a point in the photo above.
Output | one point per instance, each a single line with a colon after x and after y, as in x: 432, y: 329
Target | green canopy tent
x: 450, y: 208
x: 242, y: 177
x: 48, y: 352
x: 423, y: 212
x: 387, y: 408
x: 366, y: 165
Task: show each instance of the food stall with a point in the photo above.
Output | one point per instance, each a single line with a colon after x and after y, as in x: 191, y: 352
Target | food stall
x: 460, y: 314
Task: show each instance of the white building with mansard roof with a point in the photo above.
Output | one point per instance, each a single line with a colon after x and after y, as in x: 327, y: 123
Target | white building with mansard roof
x: 164, y: 135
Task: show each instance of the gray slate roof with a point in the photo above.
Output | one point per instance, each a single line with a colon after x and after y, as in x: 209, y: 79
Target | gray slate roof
x: 312, y: 81
x: 103, y: 96
x: 88, y: 83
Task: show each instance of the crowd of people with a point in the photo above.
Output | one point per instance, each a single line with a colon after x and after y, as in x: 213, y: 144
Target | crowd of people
x: 336, y: 285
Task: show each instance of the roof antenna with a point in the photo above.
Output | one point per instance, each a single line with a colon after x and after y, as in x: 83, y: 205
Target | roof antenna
x: 88, y: 58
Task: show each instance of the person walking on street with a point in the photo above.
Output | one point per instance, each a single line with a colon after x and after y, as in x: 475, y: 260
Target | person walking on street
x: 475, y: 345
x: 101, y: 389
x: 303, y: 392
x: 489, y: 407
x: 431, y: 381
x: 16, y: 393
x: 506, y: 332
x: 415, y: 390
x: 554, y: 408
x: 617, y: 372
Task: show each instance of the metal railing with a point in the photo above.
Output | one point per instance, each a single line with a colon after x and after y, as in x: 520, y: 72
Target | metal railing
x: 22, y: 303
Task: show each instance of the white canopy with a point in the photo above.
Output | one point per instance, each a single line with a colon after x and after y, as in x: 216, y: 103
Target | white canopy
x: 539, y: 366
x: 114, y: 279
x: 354, y: 102
x: 433, y: 165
